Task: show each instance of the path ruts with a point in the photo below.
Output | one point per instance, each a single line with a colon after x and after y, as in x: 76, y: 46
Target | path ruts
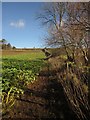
x: 43, y: 99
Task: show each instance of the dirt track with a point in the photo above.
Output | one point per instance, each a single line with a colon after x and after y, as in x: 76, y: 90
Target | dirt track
x: 43, y: 99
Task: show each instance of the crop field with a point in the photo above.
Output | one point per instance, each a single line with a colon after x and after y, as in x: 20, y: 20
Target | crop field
x: 28, y: 84
x: 19, y: 68
x: 22, y: 54
x: 35, y: 88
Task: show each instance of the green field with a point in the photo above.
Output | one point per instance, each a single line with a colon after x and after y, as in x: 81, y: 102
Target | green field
x: 24, y: 70
x: 23, y: 54
x: 19, y: 68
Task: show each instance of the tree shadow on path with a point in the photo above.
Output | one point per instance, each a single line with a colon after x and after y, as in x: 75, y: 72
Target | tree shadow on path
x: 43, y: 99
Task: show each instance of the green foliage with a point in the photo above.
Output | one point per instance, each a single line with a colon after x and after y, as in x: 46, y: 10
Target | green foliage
x: 16, y: 74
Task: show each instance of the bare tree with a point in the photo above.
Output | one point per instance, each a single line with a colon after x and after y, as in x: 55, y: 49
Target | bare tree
x: 53, y: 16
x: 69, y: 27
x: 78, y: 19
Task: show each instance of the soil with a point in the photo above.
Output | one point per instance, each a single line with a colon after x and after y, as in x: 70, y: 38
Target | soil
x: 43, y: 99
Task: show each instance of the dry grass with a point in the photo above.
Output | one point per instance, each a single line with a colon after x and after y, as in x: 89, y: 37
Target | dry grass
x: 74, y: 80
x: 17, y: 51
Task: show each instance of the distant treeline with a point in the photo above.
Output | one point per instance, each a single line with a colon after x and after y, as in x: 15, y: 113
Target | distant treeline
x: 5, y: 45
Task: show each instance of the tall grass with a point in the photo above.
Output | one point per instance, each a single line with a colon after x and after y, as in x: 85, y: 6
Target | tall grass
x: 74, y: 80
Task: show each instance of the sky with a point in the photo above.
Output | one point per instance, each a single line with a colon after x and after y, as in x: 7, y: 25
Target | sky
x: 19, y: 25
x: 0, y: 20
x: 45, y: 0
